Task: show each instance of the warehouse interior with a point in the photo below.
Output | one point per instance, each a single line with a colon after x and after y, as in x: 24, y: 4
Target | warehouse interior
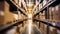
x: 29, y: 17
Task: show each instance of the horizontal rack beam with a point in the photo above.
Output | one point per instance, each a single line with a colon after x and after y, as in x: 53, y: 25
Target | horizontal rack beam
x: 17, y: 6
x: 53, y: 24
x: 9, y: 26
x: 47, y: 5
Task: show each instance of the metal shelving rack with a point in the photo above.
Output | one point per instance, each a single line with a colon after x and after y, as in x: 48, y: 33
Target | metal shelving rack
x: 49, y: 23
x: 52, y: 3
x: 23, y: 12
x: 9, y: 26
x: 17, y: 6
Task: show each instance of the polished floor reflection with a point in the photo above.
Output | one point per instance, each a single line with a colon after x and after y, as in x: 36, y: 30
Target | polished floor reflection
x: 34, y: 30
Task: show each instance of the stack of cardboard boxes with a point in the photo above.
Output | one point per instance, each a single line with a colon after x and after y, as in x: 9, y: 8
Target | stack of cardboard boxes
x: 51, y: 14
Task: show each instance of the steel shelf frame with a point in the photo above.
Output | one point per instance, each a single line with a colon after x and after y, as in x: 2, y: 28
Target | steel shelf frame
x: 9, y: 26
x: 17, y: 6
x: 52, y: 3
x: 49, y: 23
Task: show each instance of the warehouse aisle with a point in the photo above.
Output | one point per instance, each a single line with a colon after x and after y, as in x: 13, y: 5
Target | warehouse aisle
x: 34, y: 30
x: 29, y: 17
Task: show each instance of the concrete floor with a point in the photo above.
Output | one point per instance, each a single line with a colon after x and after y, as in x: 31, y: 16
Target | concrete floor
x: 34, y: 30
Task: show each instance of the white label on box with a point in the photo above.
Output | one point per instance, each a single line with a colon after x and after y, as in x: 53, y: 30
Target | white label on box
x: 1, y: 13
x: 15, y: 16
